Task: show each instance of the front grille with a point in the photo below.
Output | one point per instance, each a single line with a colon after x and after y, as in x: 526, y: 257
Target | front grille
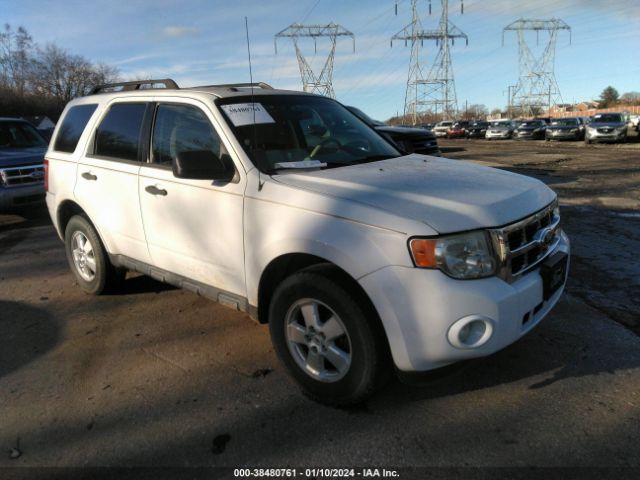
x: 20, y: 176
x: 522, y: 245
x: 605, y: 130
x: 420, y: 145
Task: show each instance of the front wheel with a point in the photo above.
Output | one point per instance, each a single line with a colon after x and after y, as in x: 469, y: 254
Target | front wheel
x: 327, y: 340
x: 88, y: 258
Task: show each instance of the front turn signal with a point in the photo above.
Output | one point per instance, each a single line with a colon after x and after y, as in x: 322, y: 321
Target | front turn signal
x: 423, y: 251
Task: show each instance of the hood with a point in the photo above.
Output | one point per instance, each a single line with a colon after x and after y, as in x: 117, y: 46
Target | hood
x: 17, y: 157
x: 563, y: 127
x: 607, y: 124
x: 404, y: 131
x: 530, y: 128
x: 447, y: 195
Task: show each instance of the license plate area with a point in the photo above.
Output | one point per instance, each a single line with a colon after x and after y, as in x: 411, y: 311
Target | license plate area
x: 553, y: 272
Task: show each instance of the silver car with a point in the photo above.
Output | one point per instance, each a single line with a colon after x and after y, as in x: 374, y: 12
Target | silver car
x: 606, y: 127
x: 500, y: 129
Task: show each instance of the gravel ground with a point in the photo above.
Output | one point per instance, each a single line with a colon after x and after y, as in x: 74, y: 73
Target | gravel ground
x: 156, y: 376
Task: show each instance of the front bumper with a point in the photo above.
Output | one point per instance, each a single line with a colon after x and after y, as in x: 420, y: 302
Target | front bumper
x: 498, y: 135
x: 563, y: 135
x: 419, y: 306
x: 21, y: 196
x: 528, y: 135
x: 605, y: 137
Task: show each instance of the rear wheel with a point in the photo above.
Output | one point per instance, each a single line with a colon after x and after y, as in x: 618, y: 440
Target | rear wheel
x: 327, y: 340
x: 88, y: 258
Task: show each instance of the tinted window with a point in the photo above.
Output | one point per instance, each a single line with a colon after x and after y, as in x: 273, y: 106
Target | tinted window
x: 118, y: 134
x: 72, y: 127
x: 182, y: 128
x: 19, y: 135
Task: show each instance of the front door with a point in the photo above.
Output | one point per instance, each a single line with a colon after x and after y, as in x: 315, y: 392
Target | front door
x: 193, y: 227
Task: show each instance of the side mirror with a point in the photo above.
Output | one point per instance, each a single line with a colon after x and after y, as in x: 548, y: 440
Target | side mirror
x: 203, y: 165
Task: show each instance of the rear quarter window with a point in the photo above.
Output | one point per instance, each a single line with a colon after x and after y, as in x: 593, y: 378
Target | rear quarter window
x: 72, y: 127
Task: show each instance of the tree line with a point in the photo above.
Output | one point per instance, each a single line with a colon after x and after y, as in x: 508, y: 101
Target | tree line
x: 37, y: 80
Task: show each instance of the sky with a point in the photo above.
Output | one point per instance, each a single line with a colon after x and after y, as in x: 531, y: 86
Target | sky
x: 200, y: 42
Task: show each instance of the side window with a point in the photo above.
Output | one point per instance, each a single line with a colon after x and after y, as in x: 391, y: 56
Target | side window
x: 182, y: 128
x: 72, y: 127
x: 118, y: 134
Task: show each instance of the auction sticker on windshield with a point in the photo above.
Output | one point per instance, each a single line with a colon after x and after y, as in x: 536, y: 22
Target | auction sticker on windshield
x: 247, y: 113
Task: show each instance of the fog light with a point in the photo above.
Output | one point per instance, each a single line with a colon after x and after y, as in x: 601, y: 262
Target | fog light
x: 470, y: 332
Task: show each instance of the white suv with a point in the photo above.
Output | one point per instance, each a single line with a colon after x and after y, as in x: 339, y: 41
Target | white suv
x: 288, y: 207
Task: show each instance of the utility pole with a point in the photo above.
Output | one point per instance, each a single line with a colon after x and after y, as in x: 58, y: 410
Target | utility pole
x: 537, y: 87
x: 435, y: 91
x: 321, y: 84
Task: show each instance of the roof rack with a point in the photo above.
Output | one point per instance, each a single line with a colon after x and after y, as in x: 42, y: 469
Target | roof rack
x: 134, y: 85
x: 237, y: 86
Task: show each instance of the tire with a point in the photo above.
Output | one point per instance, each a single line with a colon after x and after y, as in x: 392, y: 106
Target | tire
x: 329, y: 342
x: 88, y: 258
x: 587, y: 141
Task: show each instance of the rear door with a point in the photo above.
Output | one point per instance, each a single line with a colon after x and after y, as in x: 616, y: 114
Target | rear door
x: 194, y: 228
x: 107, y: 180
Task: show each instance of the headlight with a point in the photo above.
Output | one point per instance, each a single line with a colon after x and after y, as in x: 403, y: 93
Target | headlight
x: 463, y: 256
x: 573, y: 130
x: 590, y: 129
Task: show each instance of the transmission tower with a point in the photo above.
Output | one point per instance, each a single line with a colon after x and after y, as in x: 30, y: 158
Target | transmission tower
x: 434, y: 93
x: 537, y: 88
x: 322, y: 83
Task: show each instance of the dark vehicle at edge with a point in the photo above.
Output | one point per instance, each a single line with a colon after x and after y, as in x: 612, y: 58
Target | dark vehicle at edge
x: 477, y: 129
x: 530, y: 130
x: 22, y: 151
x: 565, y: 129
x: 408, y: 139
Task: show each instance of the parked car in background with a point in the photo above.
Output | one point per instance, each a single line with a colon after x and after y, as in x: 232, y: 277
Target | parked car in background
x: 22, y: 151
x: 441, y: 128
x: 565, y: 129
x: 606, y: 127
x: 634, y: 119
x: 500, y: 129
x: 408, y: 139
x: 530, y: 130
x: 477, y: 129
x: 458, y: 129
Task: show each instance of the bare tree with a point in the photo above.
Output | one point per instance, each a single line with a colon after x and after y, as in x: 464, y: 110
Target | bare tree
x: 16, y: 54
x: 63, y: 76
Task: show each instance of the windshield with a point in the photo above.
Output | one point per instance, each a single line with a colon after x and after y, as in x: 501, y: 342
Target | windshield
x: 565, y: 122
x: 501, y: 124
x: 19, y: 135
x: 302, y: 131
x: 607, y: 118
x: 444, y: 124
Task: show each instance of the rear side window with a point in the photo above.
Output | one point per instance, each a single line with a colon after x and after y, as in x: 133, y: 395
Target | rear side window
x: 72, y: 127
x: 118, y: 134
x: 182, y: 128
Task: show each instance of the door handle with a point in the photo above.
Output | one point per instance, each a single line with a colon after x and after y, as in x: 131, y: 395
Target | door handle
x: 153, y: 190
x: 89, y: 176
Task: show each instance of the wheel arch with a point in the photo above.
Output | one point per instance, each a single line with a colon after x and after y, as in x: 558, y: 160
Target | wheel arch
x: 288, y: 264
x: 66, y: 210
